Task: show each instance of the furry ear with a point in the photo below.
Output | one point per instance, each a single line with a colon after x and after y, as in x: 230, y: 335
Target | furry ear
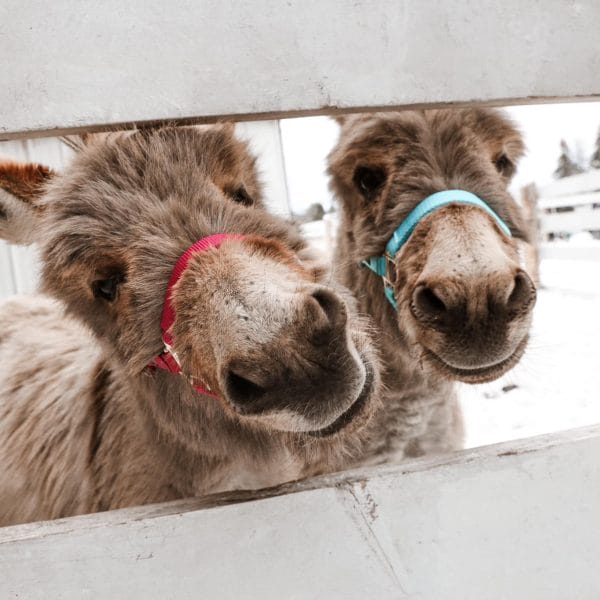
x: 21, y: 186
x: 503, y: 138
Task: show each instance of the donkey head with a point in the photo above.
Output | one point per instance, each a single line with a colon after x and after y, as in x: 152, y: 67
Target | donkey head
x: 464, y: 301
x: 254, y: 320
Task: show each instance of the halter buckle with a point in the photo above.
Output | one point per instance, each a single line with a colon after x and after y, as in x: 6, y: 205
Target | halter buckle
x: 168, y: 349
x: 192, y: 380
x: 390, y: 263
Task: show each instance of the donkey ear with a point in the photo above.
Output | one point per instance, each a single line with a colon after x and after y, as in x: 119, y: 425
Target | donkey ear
x: 339, y: 119
x: 351, y: 119
x: 503, y: 136
x: 21, y: 187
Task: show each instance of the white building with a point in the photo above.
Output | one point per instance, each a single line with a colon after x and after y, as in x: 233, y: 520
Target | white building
x: 570, y: 205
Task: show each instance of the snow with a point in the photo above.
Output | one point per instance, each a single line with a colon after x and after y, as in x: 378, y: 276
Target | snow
x: 558, y: 380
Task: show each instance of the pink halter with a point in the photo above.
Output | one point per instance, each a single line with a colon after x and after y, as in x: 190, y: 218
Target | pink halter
x: 168, y: 359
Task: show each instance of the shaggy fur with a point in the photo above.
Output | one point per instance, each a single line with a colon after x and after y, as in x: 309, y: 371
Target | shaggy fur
x: 84, y: 424
x: 464, y: 301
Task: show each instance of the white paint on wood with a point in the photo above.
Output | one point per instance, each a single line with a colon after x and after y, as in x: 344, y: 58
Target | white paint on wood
x: 8, y: 286
x: 47, y: 151
x: 264, y: 138
x: 25, y: 268
x: 70, y: 65
x: 517, y: 520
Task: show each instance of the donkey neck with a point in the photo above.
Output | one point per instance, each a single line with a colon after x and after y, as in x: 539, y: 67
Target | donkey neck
x: 195, y: 423
x: 205, y: 450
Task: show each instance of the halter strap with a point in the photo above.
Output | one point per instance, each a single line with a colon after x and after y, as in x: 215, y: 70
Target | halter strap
x: 380, y: 264
x: 168, y: 360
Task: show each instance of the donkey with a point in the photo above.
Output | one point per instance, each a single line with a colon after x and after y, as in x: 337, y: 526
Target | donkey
x: 425, y: 205
x: 186, y: 343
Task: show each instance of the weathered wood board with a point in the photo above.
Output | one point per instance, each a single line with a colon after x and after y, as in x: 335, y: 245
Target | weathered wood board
x: 71, y: 65
x: 513, y: 521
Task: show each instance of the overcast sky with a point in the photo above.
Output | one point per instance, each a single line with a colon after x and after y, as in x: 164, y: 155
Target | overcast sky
x: 308, y: 140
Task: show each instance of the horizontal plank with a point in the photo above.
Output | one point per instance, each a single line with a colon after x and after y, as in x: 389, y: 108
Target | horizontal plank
x: 515, y: 520
x: 72, y: 66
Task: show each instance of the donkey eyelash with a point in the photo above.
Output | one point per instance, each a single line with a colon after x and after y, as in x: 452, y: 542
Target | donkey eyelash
x: 107, y: 289
x: 504, y: 165
x: 241, y: 196
x: 369, y: 180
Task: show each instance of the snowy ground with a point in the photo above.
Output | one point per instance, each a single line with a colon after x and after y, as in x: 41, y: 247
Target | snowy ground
x: 558, y: 380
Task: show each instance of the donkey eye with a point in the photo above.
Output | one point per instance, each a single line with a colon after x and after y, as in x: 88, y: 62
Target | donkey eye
x: 368, y: 180
x: 241, y: 196
x: 107, y: 288
x: 504, y: 165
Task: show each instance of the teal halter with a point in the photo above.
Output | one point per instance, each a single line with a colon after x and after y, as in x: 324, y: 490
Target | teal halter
x: 379, y: 264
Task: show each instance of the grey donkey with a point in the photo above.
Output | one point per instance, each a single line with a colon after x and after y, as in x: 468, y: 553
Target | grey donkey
x: 262, y: 373
x: 425, y: 204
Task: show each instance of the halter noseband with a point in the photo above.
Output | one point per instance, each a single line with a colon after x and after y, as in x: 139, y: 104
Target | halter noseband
x: 168, y: 359
x: 380, y: 264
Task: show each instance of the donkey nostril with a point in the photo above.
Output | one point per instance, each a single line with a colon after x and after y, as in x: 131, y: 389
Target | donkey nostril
x: 428, y: 303
x: 522, y: 294
x: 241, y: 390
x: 330, y: 305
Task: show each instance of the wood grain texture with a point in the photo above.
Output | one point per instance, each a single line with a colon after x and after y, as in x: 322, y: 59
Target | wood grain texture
x: 70, y: 65
x: 516, y: 520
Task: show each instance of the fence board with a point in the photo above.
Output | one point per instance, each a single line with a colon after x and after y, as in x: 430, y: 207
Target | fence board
x: 76, y: 65
x: 8, y: 286
x: 516, y: 520
x: 265, y: 142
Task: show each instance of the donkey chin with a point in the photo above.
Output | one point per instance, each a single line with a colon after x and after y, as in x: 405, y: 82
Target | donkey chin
x: 465, y: 302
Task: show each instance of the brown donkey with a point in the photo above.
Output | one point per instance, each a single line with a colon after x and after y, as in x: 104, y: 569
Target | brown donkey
x: 425, y: 205
x: 279, y: 378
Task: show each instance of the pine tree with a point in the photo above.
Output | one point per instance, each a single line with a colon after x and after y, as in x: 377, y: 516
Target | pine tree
x: 595, y: 158
x: 566, y: 165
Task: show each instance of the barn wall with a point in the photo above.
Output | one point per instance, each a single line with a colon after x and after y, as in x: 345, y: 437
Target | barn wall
x: 19, y: 264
